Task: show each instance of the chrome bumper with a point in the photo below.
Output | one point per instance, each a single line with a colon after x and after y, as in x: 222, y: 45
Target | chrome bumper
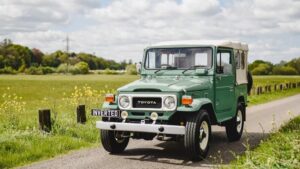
x: 138, y: 127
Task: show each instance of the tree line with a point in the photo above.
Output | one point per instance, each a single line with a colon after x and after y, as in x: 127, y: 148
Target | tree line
x: 260, y: 67
x: 18, y: 58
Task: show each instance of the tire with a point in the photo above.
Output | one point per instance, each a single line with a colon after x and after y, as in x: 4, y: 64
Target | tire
x: 111, y: 143
x: 235, y: 127
x: 250, y: 82
x: 195, y: 148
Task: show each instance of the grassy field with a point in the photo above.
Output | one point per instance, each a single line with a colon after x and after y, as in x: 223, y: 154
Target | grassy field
x: 21, y: 96
x: 280, y: 150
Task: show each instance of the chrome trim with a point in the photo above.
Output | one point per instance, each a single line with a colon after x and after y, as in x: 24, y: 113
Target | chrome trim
x: 162, y: 96
x: 139, y: 127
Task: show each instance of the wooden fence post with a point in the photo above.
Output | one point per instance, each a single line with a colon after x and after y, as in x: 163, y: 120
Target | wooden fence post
x: 281, y: 87
x: 81, y: 117
x: 294, y: 85
x: 257, y: 91
x: 45, y: 120
x: 266, y: 89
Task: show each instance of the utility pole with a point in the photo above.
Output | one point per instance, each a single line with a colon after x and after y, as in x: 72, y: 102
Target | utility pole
x: 67, y: 44
x: 67, y: 40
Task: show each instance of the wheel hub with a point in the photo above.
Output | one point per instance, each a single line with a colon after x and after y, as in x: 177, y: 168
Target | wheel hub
x: 203, y: 137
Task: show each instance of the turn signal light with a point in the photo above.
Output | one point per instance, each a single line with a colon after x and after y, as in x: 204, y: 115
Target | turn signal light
x: 110, y: 98
x: 187, y: 100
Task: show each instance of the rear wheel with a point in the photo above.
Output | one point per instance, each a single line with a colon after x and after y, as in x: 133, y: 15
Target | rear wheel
x: 197, y: 136
x: 113, y: 141
x: 234, y: 128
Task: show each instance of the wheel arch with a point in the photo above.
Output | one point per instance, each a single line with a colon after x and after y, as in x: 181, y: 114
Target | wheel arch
x: 197, y: 105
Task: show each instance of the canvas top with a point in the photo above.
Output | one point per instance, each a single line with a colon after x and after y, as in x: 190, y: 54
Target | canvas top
x: 217, y: 43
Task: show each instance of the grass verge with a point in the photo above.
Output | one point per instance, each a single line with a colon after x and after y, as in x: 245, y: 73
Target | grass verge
x: 22, y: 143
x: 280, y: 150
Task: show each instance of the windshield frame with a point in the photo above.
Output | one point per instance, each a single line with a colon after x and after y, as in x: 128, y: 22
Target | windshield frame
x: 179, y: 47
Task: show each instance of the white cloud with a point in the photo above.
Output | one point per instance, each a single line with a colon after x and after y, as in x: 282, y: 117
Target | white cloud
x: 122, y: 28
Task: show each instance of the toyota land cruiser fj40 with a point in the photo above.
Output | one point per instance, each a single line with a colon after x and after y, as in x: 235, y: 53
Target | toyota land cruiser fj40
x: 184, y: 88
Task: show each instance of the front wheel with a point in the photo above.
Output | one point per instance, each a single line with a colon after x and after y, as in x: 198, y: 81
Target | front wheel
x: 197, y: 136
x: 234, y: 128
x: 113, y: 141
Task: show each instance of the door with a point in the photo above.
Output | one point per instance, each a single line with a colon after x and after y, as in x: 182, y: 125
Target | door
x: 224, y: 82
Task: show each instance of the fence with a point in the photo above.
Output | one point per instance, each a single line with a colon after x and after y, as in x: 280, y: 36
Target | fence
x: 257, y: 90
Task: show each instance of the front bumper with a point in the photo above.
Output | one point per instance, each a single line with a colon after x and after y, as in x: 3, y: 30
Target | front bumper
x: 139, y: 127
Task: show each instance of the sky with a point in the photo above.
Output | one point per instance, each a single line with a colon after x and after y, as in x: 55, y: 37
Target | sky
x: 121, y: 29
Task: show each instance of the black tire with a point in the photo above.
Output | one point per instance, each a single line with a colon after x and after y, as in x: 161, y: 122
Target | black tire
x: 250, y: 82
x: 192, y: 136
x: 110, y: 143
x: 233, y: 131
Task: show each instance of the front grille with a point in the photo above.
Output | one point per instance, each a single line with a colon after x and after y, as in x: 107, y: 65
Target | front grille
x: 146, y: 102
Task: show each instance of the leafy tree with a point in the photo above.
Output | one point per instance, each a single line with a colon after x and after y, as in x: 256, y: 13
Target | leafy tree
x: 37, y: 56
x: 284, y: 70
x: 262, y: 69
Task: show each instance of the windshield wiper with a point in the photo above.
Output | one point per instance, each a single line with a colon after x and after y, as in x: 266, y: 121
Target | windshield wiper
x: 194, y: 66
x: 168, y: 67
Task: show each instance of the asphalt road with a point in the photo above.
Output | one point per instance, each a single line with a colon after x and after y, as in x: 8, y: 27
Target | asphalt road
x: 261, y: 120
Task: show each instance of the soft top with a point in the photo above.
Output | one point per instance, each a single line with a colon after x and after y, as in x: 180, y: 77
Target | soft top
x: 217, y: 43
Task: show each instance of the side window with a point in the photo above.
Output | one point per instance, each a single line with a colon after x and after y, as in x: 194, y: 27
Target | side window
x: 243, y: 59
x: 224, y: 65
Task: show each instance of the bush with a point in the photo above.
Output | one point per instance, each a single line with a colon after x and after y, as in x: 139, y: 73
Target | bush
x: 34, y: 71
x: 284, y: 70
x: 47, y: 70
x: 107, y: 71
x: 131, y: 69
x: 82, y: 67
x: 62, y: 68
x: 7, y: 70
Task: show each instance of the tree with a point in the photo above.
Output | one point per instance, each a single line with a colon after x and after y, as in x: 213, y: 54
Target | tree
x: 284, y: 70
x: 262, y: 69
x: 37, y: 56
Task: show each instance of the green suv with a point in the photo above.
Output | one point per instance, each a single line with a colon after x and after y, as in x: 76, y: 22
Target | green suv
x: 185, y: 87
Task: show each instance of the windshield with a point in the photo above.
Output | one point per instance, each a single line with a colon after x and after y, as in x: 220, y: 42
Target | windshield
x: 178, y: 58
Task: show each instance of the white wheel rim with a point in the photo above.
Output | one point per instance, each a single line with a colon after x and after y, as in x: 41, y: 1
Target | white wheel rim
x: 204, y: 135
x: 118, y: 137
x: 239, y: 121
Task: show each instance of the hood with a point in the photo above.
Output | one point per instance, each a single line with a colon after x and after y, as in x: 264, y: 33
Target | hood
x: 168, y: 84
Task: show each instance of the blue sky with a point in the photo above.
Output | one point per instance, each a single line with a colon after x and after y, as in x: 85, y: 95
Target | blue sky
x: 120, y: 29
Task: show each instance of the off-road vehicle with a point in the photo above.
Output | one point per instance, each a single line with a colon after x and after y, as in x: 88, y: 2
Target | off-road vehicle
x: 184, y: 88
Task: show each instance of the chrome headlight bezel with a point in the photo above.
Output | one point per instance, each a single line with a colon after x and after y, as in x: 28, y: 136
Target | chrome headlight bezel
x: 124, y: 101
x: 169, y: 102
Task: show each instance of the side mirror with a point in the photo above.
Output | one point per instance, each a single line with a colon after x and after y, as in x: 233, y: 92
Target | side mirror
x: 201, y: 71
x: 138, y: 67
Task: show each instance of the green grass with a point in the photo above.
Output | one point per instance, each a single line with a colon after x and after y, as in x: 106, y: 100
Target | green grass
x: 20, y: 140
x: 271, y: 80
x: 280, y: 150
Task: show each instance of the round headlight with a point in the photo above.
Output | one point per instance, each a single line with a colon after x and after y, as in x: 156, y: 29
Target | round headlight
x: 124, y: 101
x: 169, y: 102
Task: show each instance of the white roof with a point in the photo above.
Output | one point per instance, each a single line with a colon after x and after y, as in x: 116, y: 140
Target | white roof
x: 218, y: 43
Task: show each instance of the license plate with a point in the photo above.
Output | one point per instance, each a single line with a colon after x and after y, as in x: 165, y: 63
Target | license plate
x: 106, y: 113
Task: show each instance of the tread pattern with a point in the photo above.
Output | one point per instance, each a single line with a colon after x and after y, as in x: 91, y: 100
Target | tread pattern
x: 110, y: 144
x: 231, y: 131
x: 191, y: 138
